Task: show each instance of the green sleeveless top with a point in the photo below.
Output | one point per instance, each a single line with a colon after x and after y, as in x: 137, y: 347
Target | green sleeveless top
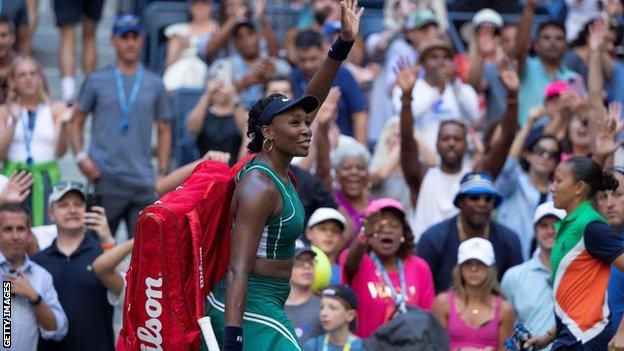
x: 281, y: 232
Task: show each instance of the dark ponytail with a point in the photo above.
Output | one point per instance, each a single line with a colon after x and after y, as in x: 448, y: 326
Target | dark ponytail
x: 586, y: 170
x: 253, y: 123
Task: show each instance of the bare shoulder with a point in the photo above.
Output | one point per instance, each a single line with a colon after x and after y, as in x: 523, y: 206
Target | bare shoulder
x: 257, y: 192
x: 507, y: 309
x: 441, y: 302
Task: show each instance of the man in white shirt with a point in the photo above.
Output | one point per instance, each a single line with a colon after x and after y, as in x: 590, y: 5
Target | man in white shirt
x: 433, y: 189
x: 439, y: 94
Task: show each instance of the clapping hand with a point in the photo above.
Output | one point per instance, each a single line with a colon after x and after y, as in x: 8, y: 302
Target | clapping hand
x: 17, y: 189
x: 606, y: 142
x: 350, y: 19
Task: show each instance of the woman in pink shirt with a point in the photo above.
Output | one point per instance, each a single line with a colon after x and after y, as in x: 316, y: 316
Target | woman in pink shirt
x: 473, y: 312
x: 382, y: 270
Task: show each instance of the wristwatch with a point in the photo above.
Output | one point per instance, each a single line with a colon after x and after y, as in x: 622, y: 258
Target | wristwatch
x: 36, y: 301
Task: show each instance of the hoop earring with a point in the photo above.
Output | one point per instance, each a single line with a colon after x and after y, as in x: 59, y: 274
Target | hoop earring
x: 264, y: 147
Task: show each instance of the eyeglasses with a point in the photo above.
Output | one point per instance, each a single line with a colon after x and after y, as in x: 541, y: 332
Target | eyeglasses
x: 486, y: 197
x: 68, y: 184
x: 545, y: 153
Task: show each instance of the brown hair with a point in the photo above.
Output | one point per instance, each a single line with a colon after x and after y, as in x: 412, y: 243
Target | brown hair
x: 490, y: 286
x: 348, y: 307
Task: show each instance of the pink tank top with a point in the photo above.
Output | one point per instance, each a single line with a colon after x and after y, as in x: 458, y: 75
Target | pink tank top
x: 464, y: 335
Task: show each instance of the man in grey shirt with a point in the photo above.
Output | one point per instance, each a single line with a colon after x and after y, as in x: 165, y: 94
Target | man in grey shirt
x: 125, y: 100
x: 302, y: 306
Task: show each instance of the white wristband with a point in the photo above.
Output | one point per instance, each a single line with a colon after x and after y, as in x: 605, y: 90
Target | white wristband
x: 82, y: 155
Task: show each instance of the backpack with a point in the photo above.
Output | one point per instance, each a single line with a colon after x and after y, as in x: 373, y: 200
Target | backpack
x: 181, y: 251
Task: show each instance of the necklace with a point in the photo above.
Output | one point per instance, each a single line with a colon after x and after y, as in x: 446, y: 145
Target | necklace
x: 475, y: 311
x: 462, y: 233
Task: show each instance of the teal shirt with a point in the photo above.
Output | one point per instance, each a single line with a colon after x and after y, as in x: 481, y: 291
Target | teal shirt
x: 281, y: 232
x: 533, y: 83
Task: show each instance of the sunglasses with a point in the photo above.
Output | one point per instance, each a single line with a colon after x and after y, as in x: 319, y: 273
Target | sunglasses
x: 486, y: 197
x: 619, y: 169
x: 68, y: 184
x: 545, y: 153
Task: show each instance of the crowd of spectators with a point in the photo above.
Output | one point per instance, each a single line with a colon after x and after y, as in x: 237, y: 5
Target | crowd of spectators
x: 429, y: 185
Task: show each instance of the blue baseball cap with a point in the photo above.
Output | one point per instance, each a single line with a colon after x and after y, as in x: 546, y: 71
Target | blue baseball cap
x: 281, y: 104
x: 127, y: 23
x: 478, y: 183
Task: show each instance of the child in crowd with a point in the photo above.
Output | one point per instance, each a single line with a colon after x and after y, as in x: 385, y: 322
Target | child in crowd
x: 338, y: 319
x: 326, y: 231
x: 302, y: 306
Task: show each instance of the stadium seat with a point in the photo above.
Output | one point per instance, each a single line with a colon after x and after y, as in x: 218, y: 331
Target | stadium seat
x: 184, y: 145
x: 156, y: 17
x: 372, y: 22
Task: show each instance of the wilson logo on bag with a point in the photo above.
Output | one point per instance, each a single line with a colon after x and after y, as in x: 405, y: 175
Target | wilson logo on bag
x: 181, y: 251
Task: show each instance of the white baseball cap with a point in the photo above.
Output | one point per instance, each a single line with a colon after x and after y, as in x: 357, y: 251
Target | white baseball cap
x: 478, y: 249
x: 487, y: 16
x: 323, y: 214
x: 548, y: 209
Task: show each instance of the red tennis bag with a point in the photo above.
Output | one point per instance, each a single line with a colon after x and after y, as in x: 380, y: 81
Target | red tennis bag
x: 181, y: 251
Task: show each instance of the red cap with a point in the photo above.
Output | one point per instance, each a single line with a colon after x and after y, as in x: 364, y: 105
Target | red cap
x: 378, y: 205
x: 555, y: 89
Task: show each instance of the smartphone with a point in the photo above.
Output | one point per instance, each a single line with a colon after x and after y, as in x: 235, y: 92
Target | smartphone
x: 93, y: 200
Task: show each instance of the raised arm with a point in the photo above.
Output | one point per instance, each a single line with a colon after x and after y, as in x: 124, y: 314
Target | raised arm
x: 524, y: 33
x: 518, y: 144
x: 350, y: 21
x: 413, y: 169
x: 480, y: 47
x: 326, y: 114
x: 602, y: 124
x: 494, y: 159
x: 360, y: 246
x: 267, y: 29
x: 219, y: 40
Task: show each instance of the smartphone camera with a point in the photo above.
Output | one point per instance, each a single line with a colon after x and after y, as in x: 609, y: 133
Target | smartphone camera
x: 93, y: 200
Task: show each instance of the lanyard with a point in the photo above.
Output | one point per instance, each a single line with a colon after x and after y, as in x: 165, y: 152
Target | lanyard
x: 399, y: 300
x: 126, y: 105
x: 28, y: 126
x: 346, y: 346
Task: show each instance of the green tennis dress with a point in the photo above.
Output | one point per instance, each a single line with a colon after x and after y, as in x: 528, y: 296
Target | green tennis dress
x: 265, y: 325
